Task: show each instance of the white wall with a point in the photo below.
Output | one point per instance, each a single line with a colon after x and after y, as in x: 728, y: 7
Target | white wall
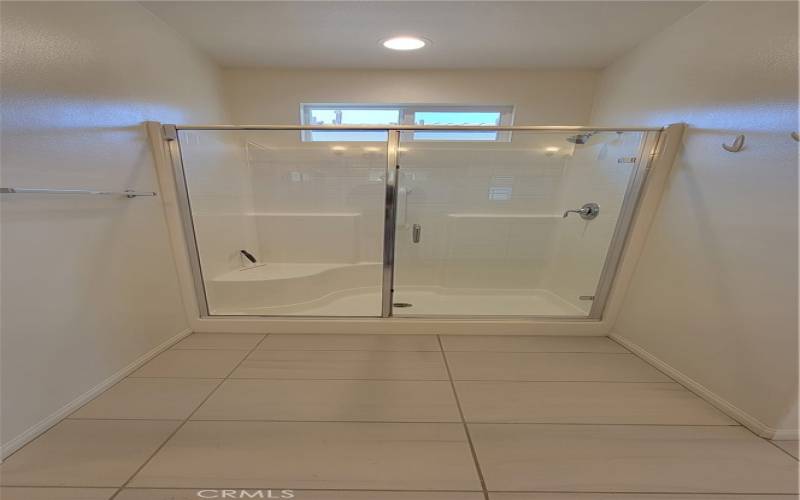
x: 274, y: 96
x: 88, y: 283
x: 715, y: 291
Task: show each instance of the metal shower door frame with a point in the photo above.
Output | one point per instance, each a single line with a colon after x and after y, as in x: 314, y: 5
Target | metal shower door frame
x: 390, y: 222
x: 187, y: 221
x: 627, y: 214
x: 633, y: 191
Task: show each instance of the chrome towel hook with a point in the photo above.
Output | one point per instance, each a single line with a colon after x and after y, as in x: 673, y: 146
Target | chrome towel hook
x: 737, y: 145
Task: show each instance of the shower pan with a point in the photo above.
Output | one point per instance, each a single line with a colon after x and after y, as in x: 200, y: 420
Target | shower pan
x: 407, y: 221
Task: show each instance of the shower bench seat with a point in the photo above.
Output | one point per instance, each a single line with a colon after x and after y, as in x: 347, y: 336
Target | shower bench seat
x: 284, y: 284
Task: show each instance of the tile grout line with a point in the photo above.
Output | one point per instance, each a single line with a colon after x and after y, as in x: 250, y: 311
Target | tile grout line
x: 271, y: 349
x: 491, y: 380
x: 186, y: 420
x: 703, y: 494
x: 318, y: 379
x: 773, y: 443
x: 181, y: 488
x: 404, y: 350
x: 483, y: 422
x: 60, y: 487
x: 463, y: 421
x: 604, y: 353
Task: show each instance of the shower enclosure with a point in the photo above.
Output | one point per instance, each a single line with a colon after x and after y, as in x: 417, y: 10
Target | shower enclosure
x: 407, y: 221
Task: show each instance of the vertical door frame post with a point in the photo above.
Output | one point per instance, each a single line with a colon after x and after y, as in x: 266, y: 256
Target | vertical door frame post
x: 389, y: 222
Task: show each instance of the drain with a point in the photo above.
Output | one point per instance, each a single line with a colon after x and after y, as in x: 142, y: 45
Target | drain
x: 402, y: 304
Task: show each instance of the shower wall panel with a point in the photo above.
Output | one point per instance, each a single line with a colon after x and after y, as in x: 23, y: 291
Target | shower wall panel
x: 309, y: 213
x: 487, y: 213
x: 221, y: 185
x: 318, y: 202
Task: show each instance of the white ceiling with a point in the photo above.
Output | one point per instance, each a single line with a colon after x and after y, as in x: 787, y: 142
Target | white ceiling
x: 489, y: 34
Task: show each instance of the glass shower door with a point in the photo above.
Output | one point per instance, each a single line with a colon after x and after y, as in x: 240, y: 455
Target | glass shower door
x: 286, y: 222
x: 513, y: 225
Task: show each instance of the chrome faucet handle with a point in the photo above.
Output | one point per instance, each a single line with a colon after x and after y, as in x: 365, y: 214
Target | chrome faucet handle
x: 572, y: 211
x: 587, y: 212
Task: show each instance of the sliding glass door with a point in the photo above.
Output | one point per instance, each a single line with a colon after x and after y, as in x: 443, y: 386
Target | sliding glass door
x: 285, y: 226
x: 514, y: 227
x: 462, y: 222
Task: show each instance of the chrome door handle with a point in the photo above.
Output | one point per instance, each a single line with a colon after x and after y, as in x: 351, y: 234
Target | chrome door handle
x: 416, y: 232
x: 587, y: 212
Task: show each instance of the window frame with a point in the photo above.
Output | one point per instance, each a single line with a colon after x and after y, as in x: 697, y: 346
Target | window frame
x: 407, y: 114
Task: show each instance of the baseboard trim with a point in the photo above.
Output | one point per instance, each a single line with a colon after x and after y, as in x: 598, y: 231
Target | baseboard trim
x: 755, y: 425
x: 40, y: 427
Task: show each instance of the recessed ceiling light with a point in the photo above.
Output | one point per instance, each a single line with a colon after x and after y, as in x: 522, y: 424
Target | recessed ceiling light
x: 404, y: 43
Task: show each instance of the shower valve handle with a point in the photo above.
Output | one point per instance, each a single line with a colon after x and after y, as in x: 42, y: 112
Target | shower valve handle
x: 587, y: 212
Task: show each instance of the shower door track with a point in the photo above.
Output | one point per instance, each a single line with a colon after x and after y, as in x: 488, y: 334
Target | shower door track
x: 649, y: 146
x: 412, y: 128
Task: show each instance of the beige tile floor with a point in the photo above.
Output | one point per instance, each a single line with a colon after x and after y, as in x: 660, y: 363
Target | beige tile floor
x: 400, y: 417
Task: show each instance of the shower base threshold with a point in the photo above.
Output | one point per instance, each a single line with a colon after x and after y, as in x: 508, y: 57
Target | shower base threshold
x: 424, y: 301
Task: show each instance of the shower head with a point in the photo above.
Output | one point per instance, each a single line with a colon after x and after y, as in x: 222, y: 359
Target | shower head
x: 580, y: 138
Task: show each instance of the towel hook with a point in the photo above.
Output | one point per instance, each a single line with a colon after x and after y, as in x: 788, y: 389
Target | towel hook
x: 737, y: 145
x: 796, y: 136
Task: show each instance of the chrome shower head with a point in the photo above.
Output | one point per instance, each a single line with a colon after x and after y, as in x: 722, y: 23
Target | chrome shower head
x: 580, y: 138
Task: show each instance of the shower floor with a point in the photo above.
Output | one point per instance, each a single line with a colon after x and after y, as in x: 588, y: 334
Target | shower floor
x: 428, y: 301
